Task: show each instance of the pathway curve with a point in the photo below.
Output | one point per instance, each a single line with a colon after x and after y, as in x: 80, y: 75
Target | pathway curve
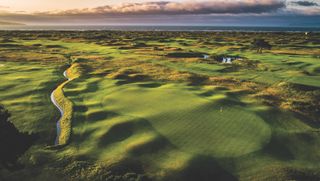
x: 59, y: 107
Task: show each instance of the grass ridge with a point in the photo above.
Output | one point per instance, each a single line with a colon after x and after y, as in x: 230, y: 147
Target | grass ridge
x: 67, y: 107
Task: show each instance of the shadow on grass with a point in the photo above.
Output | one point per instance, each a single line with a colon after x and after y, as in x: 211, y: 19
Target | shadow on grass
x: 80, y: 108
x: 132, y: 79
x: 90, y: 87
x: 204, y: 168
x: 13, y: 142
x: 153, y: 146
x: 101, y: 116
x: 197, y: 80
x: 117, y: 133
x: 274, y: 117
x: 82, y: 137
x: 128, y: 169
x: 278, y: 149
x: 150, y: 85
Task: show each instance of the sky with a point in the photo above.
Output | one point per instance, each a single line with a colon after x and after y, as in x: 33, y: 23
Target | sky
x: 163, y: 12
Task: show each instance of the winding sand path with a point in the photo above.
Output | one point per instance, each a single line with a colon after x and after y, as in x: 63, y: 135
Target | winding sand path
x: 54, y: 101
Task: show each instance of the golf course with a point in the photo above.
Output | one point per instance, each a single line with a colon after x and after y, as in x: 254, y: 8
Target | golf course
x: 159, y: 106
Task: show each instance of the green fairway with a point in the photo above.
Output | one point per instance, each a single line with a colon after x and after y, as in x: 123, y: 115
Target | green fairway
x: 25, y: 91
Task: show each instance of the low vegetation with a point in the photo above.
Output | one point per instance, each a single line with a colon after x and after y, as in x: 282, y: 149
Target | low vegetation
x: 163, y: 105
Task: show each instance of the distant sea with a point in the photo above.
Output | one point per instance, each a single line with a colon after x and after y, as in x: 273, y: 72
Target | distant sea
x: 162, y: 28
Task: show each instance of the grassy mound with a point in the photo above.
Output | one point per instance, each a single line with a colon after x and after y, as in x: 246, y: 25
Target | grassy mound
x: 221, y: 127
x: 67, y: 107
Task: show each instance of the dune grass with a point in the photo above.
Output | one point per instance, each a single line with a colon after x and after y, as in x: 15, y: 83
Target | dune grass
x: 67, y: 107
x: 135, y: 113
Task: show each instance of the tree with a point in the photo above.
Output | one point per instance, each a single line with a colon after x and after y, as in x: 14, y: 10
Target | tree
x: 261, y: 44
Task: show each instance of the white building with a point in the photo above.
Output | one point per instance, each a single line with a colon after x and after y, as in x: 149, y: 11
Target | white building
x: 206, y: 56
x: 227, y: 60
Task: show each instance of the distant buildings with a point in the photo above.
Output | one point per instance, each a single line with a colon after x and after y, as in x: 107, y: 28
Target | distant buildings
x: 227, y: 60
x: 307, y: 33
x: 224, y: 59
x: 206, y: 56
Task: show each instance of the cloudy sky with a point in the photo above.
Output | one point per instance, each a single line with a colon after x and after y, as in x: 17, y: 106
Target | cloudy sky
x: 171, y: 12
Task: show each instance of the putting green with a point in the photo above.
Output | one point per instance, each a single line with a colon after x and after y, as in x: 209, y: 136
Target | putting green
x: 218, y: 127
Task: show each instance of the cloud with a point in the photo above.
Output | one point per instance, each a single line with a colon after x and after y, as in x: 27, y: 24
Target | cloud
x: 175, y: 12
x: 178, y: 8
x: 4, y: 7
x: 305, y: 3
x: 303, y: 8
